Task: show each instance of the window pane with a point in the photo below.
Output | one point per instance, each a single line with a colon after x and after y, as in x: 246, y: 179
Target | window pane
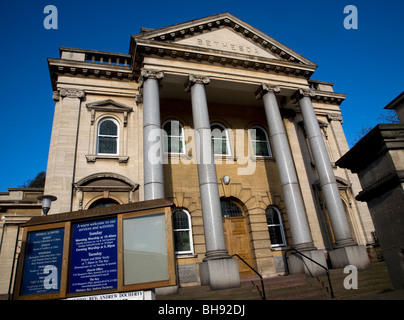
x: 109, y: 128
x: 219, y: 146
x: 272, y: 216
x: 145, y: 249
x: 218, y: 132
x: 174, y: 145
x: 260, y: 134
x: 275, y: 234
x: 261, y: 148
x: 182, y: 241
x: 107, y: 145
x: 174, y: 138
x: 230, y: 209
x: 180, y: 220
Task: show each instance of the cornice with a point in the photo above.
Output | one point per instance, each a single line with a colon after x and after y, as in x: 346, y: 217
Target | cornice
x: 95, y: 64
x: 151, y: 48
x: 319, y: 96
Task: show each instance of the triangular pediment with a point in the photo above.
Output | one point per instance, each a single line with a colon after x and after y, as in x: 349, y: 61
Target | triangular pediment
x: 227, y: 40
x: 109, y: 105
x: 221, y: 34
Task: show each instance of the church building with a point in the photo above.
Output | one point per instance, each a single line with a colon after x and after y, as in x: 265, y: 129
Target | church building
x: 228, y: 124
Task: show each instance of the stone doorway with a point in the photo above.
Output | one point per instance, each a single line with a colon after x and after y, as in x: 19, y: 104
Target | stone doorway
x: 236, y: 234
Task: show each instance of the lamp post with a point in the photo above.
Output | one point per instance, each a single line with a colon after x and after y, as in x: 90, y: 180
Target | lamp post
x: 46, y: 202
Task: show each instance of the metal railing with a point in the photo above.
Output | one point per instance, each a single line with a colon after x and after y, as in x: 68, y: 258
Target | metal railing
x: 262, y: 294
x: 320, y: 265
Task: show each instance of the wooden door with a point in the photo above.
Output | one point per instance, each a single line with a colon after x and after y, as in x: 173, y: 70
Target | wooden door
x: 238, y: 241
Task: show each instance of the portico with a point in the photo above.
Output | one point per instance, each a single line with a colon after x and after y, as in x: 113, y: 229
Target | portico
x: 295, y: 207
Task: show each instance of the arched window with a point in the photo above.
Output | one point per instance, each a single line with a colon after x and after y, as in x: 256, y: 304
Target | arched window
x: 182, y: 232
x: 230, y: 208
x: 107, y: 137
x: 174, y: 142
x: 102, y: 203
x: 260, y: 142
x: 220, y: 140
x: 275, y: 227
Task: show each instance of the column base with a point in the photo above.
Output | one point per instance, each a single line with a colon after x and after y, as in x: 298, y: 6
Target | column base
x: 300, y: 264
x: 220, y: 273
x: 354, y: 255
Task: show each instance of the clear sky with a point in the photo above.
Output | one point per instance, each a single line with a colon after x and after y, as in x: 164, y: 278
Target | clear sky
x: 366, y: 63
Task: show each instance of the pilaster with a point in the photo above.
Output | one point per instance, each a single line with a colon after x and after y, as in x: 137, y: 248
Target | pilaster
x: 63, y: 147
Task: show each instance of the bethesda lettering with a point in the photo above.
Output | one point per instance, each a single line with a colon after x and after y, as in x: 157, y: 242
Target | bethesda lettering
x: 227, y: 46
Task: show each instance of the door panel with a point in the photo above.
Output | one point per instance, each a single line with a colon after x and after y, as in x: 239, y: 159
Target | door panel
x: 238, y: 241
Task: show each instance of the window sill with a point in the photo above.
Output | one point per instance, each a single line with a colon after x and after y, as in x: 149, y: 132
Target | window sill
x: 282, y: 248
x: 185, y: 255
x: 95, y: 157
x: 225, y: 157
x: 262, y: 158
x: 177, y: 156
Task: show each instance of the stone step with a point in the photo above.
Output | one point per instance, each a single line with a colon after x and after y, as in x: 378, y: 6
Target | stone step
x: 294, y: 287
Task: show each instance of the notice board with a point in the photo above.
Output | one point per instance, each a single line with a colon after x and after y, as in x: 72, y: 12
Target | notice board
x: 43, y: 262
x: 108, y: 250
x: 94, y: 259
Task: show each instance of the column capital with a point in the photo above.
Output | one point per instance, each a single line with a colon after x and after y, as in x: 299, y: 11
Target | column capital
x: 67, y: 92
x: 149, y: 74
x: 138, y: 98
x: 334, y: 117
x: 264, y: 88
x: 303, y: 92
x: 195, y: 78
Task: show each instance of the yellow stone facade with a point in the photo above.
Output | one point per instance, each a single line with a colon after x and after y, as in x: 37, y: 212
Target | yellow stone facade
x: 90, y: 86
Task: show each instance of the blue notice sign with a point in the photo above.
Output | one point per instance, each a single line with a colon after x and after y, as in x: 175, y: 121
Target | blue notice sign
x: 94, y: 254
x: 43, y: 262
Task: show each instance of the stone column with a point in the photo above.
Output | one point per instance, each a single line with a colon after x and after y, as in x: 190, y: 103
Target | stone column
x: 287, y: 173
x: 152, y: 138
x: 290, y: 185
x: 328, y: 184
x: 217, y: 269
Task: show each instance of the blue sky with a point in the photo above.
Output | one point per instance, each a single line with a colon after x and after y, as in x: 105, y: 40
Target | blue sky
x: 367, y: 64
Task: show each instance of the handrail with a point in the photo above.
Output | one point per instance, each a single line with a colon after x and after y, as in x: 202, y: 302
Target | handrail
x: 320, y: 265
x: 262, y: 281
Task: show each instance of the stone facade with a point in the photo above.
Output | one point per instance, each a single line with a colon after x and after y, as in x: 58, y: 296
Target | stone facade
x: 230, y: 61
